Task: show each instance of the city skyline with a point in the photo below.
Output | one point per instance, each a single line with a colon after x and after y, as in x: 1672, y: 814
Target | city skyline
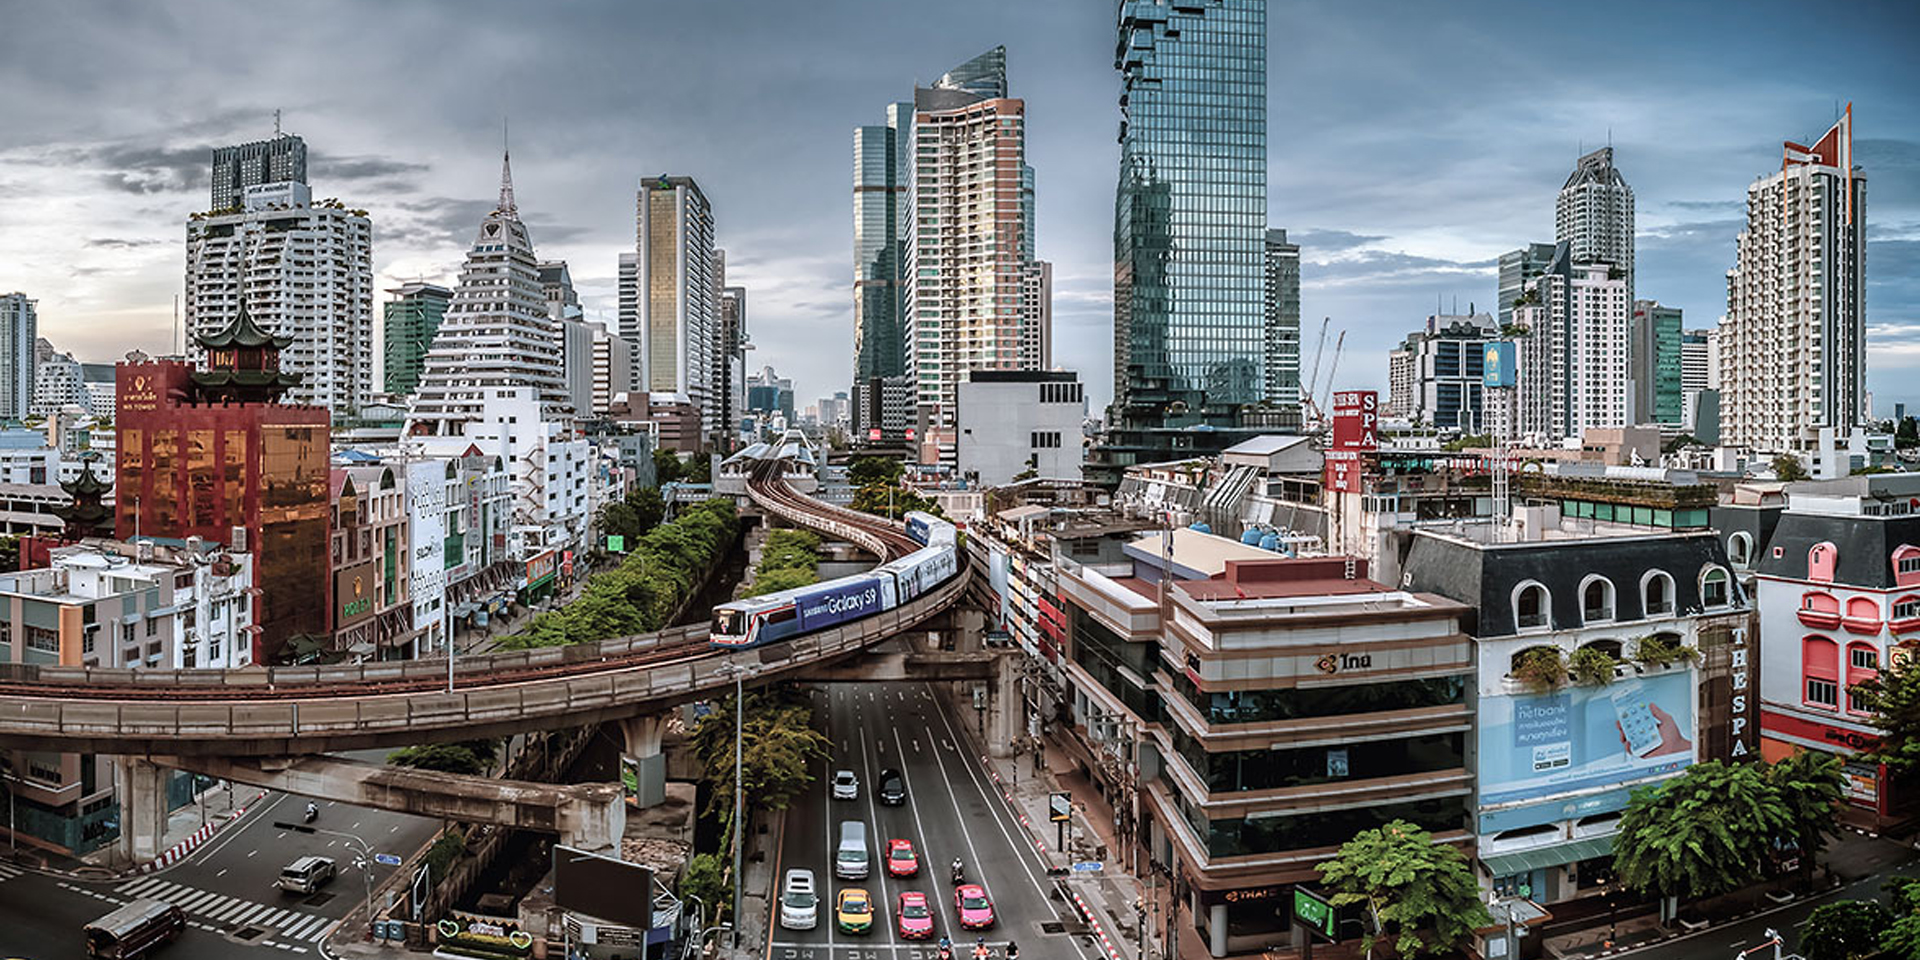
x: 1400, y: 191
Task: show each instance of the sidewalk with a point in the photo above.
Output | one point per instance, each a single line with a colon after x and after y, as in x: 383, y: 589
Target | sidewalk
x: 187, y: 828
x: 1850, y: 857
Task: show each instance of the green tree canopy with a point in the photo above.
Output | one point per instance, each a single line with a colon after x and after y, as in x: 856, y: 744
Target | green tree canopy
x: 1421, y: 894
x: 667, y: 467
x: 866, y: 470
x: 648, y: 508
x: 779, y: 747
x: 1811, y: 784
x: 1787, y: 467
x: 1702, y: 833
x: 706, y: 878
x: 1844, y: 930
x: 1893, y: 698
x: 473, y: 758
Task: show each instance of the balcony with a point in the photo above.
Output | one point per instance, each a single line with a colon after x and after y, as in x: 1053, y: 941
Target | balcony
x: 1820, y: 619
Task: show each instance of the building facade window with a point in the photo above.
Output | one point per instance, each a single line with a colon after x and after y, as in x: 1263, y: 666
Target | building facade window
x: 1820, y: 665
x: 1906, y: 608
x: 1714, y: 591
x: 1656, y: 592
x: 1530, y: 606
x: 1296, y: 703
x: 1863, y: 664
x: 1740, y: 549
x: 42, y: 639
x: 1596, y: 600
x: 1820, y: 562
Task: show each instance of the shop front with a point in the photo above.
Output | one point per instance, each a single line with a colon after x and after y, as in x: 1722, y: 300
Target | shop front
x: 1868, y: 786
x: 541, y: 576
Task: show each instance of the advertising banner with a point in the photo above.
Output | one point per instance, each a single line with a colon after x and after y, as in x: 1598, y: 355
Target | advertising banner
x: 1343, y: 471
x: 1497, y: 370
x: 1356, y: 420
x: 1581, y: 737
x: 353, y: 593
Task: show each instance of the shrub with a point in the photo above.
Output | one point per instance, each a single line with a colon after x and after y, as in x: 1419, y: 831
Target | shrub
x: 1659, y: 651
x: 1592, y: 667
x: 1541, y: 668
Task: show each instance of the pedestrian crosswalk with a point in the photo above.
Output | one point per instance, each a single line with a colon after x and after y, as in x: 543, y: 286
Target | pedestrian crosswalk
x: 8, y: 871
x: 223, y: 909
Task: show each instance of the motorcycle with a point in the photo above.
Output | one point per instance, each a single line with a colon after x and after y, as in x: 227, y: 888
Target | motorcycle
x: 946, y: 949
x: 959, y: 873
x: 313, y: 813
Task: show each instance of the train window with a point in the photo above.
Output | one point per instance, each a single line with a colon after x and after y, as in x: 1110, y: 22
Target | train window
x: 781, y: 615
x: 728, y: 624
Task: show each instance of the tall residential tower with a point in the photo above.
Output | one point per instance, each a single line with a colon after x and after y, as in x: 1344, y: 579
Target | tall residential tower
x: 282, y: 159
x: 675, y: 320
x: 1793, y: 361
x: 412, y: 314
x: 19, y: 329
x: 1594, y: 214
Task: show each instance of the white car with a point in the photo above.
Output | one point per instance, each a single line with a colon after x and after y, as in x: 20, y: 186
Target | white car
x: 845, y: 785
x: 799, y: 904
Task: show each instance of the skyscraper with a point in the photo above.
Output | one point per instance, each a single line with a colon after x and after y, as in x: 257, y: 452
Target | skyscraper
x: 19, y: 330
x: 1654, y: 362
x: 305, y: 270
x: 676, y: 302
x: 1516, y: 268
x: 1572, y: 360
x: 1190, y: 220
x: 879, y: 243
x: 729, y: 356
x: 497, y: 334
x: 1283, y: 321
x: 1793, y: 365
x: 1594, y: 214
x: 976, y: 295
x: 282, y: 159
x: 412, y: 317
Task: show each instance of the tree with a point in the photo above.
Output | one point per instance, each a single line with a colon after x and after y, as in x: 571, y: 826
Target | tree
x: 1787, y: 467
x: 473, y: 758
x: 779, y: 747
x: 10, y: 552
x: 1902, y: 938
x: 667, y: 467
x: 1844, y: 930
x: 699, y: 469
x: 1421, y: 895
x: 619, y: 519
x: 1592, y: 667
x: 1678, y: 838
x: 1475, y: 441
x: 1893, y: 698
x: 1540, y: 668
x: 648, y: 508
x: 891, y: 502
x: 866, y: 470
x: 1810, y: 784
x: 706, y: 878
x: 1907, y: 434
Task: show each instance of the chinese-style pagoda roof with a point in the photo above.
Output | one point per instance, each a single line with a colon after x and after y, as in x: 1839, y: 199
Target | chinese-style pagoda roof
x: 218, y: 379
x: 242, y: 332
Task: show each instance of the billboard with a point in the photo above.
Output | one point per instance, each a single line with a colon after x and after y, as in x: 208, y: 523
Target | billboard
x: 353, y: 592
x: 1497, y: 370
x: 1356, y: 420
x: 1583, y: 737
x: 603, y: 888
x: 1343, y: 471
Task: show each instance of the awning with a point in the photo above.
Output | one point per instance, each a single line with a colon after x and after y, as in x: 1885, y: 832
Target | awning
x: 1527, y: 861
x: 464, y: 609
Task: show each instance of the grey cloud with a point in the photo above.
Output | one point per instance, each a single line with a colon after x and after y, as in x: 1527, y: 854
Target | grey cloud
x: 118, y: 243
x: 140, y: 169
x: 1316, y: 240
x: 322, y: 169
x: 1375, y: 267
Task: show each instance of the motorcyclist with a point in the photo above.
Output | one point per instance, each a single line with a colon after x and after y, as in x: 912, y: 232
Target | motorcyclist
x: 1013, y: 950
x: 980, y: 951
x: 946, y: 949
x: 313, y: 810
x: 959, y: 870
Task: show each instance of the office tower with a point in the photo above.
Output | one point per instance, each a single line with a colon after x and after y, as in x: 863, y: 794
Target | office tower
x: 1653, y: 363
x: 215, y: 452
x: 1572, y: 363
x: 673, y: 324
x: 1434, y: 376
x: 556, y: 287
x: 412, y: 316
x: 1696, y: 352
x: 19, y: 332
x: 976, y: 295
x: 1517, y: 267
x: 576, y: 339
x: 1594, y: 214
x: 1036, y: 317
x: 1793, y: 343
x: 305, y: 270
x: 1283, y: 321
x: 880, y: 231
x: 497, y: 334
x: 626, y: 316
x: 1190, y: 329
x: 612, y: 368
x: 282, y: 159
x: 730, y: 361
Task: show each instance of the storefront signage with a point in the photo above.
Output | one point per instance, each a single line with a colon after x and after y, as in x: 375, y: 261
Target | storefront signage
x: 1343, y: 471
x: 143, y: 394
x: 353, y: 593
x: 1315, y: 912
x: 1532, y: 747
x: 1336, y: 662
x: 540, y: 568
x: 1862, y: 784
x: 1356, y: 420
x: 1740, y: 725
x: 1250, y: 894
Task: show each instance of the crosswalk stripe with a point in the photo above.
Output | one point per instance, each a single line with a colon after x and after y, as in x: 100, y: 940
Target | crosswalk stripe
x: 305, y: 930
x: 139, y: 887
x: 198, y: 902
x: 227, y: 909
x: 248, y: 916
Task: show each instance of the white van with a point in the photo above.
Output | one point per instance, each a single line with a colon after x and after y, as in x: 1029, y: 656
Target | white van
x: 850, y: 858
x: 799, y: 903
x: 305, y: 875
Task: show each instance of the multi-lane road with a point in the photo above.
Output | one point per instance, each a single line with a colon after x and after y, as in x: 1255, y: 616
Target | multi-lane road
x: 226, y: 887
x: 952, y: 810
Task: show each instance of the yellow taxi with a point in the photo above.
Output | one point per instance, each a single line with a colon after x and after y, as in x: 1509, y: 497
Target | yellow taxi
x: 854, y: 911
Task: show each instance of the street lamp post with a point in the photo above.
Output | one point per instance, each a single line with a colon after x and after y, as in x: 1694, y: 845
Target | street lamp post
x: 739, y: 718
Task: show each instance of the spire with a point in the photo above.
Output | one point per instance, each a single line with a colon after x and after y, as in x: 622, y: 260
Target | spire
x: 506, y: 184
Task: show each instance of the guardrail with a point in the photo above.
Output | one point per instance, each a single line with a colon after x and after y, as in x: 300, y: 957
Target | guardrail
x: 388, y: 671
x: 262, y: 728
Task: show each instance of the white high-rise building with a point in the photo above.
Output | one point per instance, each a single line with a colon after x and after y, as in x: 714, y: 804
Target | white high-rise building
x: 1572, y: 362
x: 1792, y: 347
x: 675, y: 319
x: 612, y: 367
x: 497, y: 334
x: 626, y: 317
x: 1594, y: 214
x: 975, y: 300
x: 19, y: 360
x: 306, y: 270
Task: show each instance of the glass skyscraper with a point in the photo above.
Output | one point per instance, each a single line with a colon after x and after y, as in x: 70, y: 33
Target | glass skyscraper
x: 1190, y: 213
x: 879, y: 244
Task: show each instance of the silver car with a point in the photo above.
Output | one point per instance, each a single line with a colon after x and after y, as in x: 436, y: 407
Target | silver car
x: 845, y: 785
x: 799, y: 904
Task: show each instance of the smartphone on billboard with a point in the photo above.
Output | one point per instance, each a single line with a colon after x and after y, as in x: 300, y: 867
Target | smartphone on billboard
x: 1637, y: 722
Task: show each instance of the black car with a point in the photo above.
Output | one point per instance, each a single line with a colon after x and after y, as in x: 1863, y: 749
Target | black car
x: 893, y: 788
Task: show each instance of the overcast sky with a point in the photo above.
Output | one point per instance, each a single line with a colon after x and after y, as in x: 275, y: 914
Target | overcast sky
x: 1409, y: 144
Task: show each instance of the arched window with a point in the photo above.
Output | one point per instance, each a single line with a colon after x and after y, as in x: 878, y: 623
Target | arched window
x: 1656, y: 594
x: 1609, y: 647
x: 1863, y: 612
x: 1820, y: 669
x: 1740, y: 549
x: 1863, y: 664
x: 1714, y: 588
x: 1820, y: 562
x: 1530, y: 606
x: 1596, y: 600
x: 1906, y: 607
x: 1819, y: 602
x: 1906, y: 565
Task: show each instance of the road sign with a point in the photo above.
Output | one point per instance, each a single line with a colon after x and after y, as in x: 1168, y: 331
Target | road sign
x: 386, y: 859
x: 1060, y: 807
x: 1088, y: 866
x: 1315, y: 912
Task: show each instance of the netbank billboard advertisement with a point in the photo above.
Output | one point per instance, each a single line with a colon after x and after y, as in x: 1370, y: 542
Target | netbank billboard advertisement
x: 1580, y: 737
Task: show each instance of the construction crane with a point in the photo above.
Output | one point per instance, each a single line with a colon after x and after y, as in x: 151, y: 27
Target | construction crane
x: 1313, y: 398
x: 1318, y: 347
x: 1338, y: 345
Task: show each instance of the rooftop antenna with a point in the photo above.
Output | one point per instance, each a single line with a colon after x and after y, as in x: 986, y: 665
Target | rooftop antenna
x: 276, y: 124
x: 176, y: 325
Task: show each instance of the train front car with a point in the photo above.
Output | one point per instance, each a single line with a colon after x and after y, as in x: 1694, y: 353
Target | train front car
x: 928, y: 530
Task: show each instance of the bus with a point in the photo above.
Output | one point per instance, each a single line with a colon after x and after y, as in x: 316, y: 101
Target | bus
x: 135, y: 930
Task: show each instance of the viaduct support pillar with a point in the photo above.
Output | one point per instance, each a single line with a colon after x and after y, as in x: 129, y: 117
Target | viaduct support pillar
x: 643, y: 757
x: 1005, y: 723
x: 594, y: 819
x: 143, y: 807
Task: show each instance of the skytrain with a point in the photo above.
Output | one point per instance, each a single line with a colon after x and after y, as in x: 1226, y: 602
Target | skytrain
x: 774, y: 617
